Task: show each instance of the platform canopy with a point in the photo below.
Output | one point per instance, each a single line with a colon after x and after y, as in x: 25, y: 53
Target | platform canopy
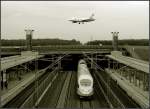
x: 12, y: 61
x: 132, y: 62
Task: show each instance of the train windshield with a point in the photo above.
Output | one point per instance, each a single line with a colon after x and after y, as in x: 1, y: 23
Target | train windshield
x: 85, y: 82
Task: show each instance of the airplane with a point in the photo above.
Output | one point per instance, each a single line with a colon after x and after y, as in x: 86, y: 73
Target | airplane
x: 82, y: 20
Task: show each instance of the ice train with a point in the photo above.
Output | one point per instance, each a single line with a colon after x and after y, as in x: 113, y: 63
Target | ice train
x: 84, y: 80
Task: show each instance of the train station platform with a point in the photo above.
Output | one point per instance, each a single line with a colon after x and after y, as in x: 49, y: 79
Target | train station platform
x: 137, y: 94
x: 16, y: 86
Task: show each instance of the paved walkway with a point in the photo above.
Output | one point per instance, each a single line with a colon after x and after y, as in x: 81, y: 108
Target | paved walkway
x: 139, y: 95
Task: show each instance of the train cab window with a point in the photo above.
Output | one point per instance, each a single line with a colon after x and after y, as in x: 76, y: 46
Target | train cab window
x: 85, y: 84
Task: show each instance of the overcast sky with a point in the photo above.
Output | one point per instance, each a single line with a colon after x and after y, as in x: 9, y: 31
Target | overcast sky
x: 49, y: 19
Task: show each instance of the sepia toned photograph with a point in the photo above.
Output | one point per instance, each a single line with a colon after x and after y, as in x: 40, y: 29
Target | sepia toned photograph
x: 74, y: 54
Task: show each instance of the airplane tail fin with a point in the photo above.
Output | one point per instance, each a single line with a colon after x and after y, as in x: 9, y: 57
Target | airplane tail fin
x: 91, y: 16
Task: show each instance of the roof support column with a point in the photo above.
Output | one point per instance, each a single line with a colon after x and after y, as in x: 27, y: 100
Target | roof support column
x: 139, y: 79
x: 135, y: 78
x: 130, y: 74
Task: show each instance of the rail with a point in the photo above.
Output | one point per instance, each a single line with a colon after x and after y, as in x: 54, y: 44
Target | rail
x: 34, y: 99
x: 111, y: 93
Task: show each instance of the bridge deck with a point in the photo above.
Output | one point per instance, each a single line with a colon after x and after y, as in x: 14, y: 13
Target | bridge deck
x: 12, y: 61
x: 132, y: 62
x: 73, y: 52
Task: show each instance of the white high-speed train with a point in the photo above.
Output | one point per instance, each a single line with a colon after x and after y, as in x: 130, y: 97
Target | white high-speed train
x: 85, y: 80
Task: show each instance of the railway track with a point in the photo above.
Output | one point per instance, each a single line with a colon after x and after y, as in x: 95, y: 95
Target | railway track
x: 17, y: 101
x: 127, y: 101
x: 65, y: 95
x: 122, y: 95
x: 85, y: 104
x: 71, y: 96
x: 99, y: 92
x: 62, y: 94
x: 51, y: 98
x: 73, y: 100
x: 20, y: 98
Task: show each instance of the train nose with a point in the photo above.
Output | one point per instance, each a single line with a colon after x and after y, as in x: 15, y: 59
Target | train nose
x: 86, y: 91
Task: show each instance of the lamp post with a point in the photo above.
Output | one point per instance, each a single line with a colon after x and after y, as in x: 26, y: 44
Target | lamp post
x: 115, y: 40
x: 29, y: 39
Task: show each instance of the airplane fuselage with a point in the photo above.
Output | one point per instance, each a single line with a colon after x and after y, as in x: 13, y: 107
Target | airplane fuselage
x: 82, y: 20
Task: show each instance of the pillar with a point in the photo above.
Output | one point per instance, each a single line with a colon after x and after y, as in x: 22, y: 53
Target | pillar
x: 146, y: 82
x: 59, y: 63
x: 139, y: 79
x: 91, y: 61
x: 109, y: 64
x: 95, y: 61
x: 4, y: 82
x: 53, y: 60
x: 113, y: 64
x: 130, y: 74
x: 135, y: 78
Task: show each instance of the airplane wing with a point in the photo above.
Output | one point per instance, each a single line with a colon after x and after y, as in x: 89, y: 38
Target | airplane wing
x: 73, y: 21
